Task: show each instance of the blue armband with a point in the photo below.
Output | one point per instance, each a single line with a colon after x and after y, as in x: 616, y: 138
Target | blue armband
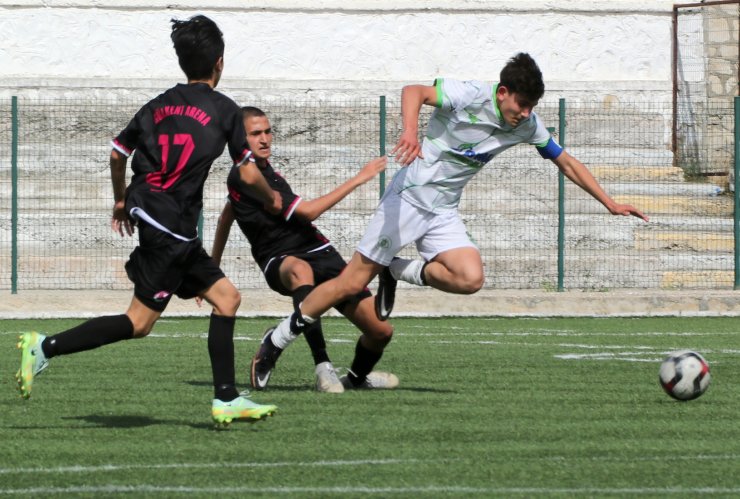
x: 549, y: 150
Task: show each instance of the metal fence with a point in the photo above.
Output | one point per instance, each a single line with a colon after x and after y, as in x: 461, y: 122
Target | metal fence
x: 534, y: 229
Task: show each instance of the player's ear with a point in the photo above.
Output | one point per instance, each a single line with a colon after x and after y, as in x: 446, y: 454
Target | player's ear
x: 220, y: 64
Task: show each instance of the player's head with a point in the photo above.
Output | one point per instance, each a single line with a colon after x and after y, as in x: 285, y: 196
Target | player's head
x: 520, y: 88
x: 259, y: 132
x: 200, y: 47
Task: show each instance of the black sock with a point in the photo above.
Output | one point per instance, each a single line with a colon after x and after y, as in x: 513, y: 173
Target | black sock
x: 314, y: 334
x: 315, y: 339
x: 88, y: 335
x: 221, y: 352
x: 363, y: 363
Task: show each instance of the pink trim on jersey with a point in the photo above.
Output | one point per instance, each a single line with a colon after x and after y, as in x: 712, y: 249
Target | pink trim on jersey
x: 288, y: 212
x: 246, y: 154
x: 120, y: 148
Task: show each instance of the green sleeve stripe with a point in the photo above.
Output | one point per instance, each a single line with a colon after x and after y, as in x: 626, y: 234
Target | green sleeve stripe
x: 542, y: 144
x: 440, y: 93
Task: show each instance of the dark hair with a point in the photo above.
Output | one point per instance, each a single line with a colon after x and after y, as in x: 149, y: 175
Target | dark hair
x: 521, y: 75
x: 250, y: 112
x: 199, y: 44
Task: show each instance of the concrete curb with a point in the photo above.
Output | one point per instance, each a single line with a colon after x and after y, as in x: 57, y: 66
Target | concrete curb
x: 410, y: 303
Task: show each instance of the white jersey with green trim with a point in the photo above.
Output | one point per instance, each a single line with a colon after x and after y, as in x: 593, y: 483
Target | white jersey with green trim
x: 465, y: 132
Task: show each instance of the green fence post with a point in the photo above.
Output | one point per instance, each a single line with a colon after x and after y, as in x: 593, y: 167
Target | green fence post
x: 381, y: 178
x: 737, y: 192
x: 200, y: 225
x: 561, y: 199
x: 14, y: 197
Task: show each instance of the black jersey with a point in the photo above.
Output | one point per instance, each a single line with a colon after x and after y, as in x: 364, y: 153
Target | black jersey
x: 272, y: 235
x: 177, y: 136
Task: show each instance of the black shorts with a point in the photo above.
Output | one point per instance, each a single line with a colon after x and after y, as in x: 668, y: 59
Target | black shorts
x: 326, y: 264
x: 162, y: 266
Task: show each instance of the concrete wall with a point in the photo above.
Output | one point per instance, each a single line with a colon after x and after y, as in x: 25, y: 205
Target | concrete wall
x: 585, y: 48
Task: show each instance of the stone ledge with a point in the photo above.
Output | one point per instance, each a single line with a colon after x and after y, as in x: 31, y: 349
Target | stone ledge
x: 410, y: 303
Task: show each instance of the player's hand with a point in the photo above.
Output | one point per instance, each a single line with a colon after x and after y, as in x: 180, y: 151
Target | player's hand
x: 408, y: 148
x: 372, y: 168
x: 627, y: 210
x: 120, y: 221
x: 277, y: 205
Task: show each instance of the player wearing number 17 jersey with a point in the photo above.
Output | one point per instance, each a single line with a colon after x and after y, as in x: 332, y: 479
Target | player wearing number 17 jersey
x: 174, y: 140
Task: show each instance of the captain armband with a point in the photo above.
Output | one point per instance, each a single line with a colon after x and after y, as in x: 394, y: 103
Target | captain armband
x: 550, y: 149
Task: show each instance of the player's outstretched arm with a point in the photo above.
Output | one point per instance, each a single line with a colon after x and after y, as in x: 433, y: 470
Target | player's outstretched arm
x: 312, y: 209
x: 251, y: 175
x: 412, y: 98
x: 579, y: 175
x: 223, y: 228
x: 119, y: 220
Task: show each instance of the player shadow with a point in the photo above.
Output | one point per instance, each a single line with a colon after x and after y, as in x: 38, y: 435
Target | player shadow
x: 276, y: 388
x: 421, y: 389
x: 310, y: 387
x: 119, y: 420
x: 96, y: 421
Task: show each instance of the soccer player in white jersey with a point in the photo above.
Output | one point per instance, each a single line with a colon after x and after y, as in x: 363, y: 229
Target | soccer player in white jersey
x: 472, y: 123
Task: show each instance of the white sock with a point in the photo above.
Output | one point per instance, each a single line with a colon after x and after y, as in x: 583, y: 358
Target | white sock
x: 407, y: 270
x: 282, y: 336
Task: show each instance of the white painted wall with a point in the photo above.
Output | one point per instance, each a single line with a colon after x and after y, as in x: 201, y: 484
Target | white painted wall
x: 596, y: 45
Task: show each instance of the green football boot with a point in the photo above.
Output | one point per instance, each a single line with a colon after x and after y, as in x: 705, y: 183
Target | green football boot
x: 224, y: 413
x: 33, y: 361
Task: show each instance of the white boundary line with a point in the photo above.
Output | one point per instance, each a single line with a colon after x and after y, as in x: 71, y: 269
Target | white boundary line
x: 126, y: 467
x: 105, y: 468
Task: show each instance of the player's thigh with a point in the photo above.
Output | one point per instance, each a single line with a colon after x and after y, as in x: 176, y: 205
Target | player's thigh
x: 295, y: 272
x: 357, y: 275
x: 224, y: 297
x: 362, y: 314
x: 464, y: 263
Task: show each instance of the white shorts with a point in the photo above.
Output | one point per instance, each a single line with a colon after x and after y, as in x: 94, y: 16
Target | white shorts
x: 397, y: 223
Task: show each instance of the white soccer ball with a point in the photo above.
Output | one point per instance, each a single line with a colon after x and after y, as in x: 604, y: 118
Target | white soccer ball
x: 684, y: 375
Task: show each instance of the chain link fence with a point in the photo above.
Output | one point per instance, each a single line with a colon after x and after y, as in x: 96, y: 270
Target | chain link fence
x: 56, y: 200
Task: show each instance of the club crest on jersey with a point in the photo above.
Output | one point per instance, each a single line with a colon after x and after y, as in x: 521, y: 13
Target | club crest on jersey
x: 161, y: 295
x: 384, y: 242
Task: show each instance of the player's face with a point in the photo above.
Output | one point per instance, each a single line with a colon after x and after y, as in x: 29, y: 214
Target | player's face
x: 259, y: 136
x: 514, y: 108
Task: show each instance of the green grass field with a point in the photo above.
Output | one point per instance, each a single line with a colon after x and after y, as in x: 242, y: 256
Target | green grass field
x: 486, y: 407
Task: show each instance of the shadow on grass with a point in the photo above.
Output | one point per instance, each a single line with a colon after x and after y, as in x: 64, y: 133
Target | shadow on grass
x: 272, y: 388
x: 119, y: 421
x: 134, y: 421
x: 310, y: 388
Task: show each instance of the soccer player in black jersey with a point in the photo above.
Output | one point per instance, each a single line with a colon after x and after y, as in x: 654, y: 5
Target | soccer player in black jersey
x: 294, y: 257
x: 176, y: 137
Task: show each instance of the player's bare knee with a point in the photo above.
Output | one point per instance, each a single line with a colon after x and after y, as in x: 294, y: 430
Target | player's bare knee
x: 141, y: 329
x: 471, y: 284
x: 386, y: 333
x: 228, y: 304
x: 380, y: 335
